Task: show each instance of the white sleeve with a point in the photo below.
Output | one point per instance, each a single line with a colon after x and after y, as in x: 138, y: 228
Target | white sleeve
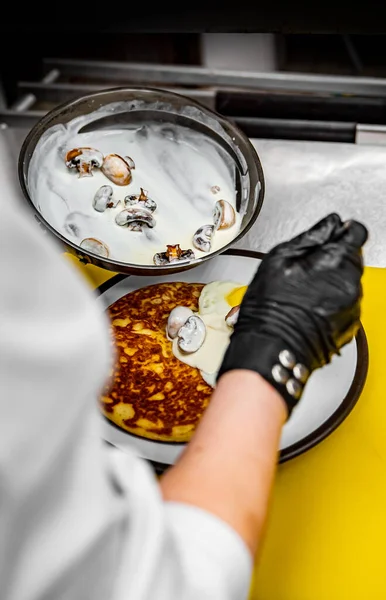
x: 175, y: 549
x: 78, y: 520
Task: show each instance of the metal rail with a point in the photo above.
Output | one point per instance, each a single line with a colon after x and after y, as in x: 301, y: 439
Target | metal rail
x: 62, y: 83
x: 61, y: 92
x: 199, y: 76
x: 253, y: 127
x: 28, y: 100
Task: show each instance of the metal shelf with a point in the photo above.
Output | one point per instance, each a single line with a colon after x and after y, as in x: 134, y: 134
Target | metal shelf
x: 264, y: 105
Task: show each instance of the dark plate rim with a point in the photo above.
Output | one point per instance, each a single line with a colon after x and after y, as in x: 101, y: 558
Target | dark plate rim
x: 326, y: 428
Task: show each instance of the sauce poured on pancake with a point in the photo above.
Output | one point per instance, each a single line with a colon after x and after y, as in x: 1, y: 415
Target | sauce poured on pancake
x: 153, y: 394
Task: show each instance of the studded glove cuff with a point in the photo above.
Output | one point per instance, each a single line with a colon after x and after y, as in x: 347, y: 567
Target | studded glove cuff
x: 270, y: 358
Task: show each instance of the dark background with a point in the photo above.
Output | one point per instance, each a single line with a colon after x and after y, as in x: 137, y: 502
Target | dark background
x: 313, y: 37
x: 345, y: 54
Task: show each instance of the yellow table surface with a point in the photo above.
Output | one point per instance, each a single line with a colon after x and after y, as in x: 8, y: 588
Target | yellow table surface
x: 326, y: 536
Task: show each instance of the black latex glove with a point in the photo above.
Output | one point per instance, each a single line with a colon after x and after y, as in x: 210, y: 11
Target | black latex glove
x: 302, y: 306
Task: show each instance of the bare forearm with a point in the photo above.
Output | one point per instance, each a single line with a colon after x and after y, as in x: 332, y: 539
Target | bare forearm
x: 228, y: 467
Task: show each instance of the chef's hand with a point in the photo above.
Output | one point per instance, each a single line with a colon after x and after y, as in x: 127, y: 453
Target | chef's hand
x: 302, y: 306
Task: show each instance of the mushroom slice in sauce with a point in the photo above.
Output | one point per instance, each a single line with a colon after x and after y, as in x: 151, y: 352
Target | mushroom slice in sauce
x: 116, y: 169
x: 95, y: 246
x: 232, y: 316
x: 178, y: 317
x: 130, y: 162
x: 202, y: 239
x: 104, y: 199
x: 224, y: 215
x: 84, y: 160
x: 135, y: 219
x: 173, y: 254
x: 141, y: 200
x: 191, y: 335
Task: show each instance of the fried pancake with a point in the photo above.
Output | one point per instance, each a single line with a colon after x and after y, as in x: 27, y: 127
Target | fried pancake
x: 153, y: 394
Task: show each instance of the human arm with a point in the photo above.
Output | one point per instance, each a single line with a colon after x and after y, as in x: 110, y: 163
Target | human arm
x: 228, y: 467
x: 305, y: 300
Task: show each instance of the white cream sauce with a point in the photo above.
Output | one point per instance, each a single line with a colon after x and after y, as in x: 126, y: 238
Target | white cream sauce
x: 177, y: 166
x: 207, y: 358
x: 212, y: 309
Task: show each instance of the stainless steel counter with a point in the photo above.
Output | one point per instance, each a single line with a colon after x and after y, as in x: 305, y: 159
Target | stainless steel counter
x: 304, y: 182
x: 307, y: 180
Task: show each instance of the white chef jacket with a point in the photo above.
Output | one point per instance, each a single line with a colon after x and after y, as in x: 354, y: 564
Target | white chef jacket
x: 80, y: 520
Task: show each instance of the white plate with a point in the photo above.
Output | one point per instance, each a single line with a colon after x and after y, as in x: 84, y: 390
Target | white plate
x: 329, y: 396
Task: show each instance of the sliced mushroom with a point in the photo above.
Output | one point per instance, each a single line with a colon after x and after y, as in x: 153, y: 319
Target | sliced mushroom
x: 215, y: 189
x: 84, y: 160
x: 130, y: 162
x: 232, y: 316
x: 202, y: 239
x: 178, y: 317
x: 135, y: 219
x: 116, y: 169
x: 224, y: 215
x: 104, y: 199
x: 173, y: 254
x: 95, y: 246
x: 141, y: 200
x: 191, y: 335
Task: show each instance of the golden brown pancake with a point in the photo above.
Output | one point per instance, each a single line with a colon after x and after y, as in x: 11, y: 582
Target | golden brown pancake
x: 153, y: 394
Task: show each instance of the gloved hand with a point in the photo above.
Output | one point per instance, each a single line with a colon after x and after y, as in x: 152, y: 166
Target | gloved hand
x: 301, y: 307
